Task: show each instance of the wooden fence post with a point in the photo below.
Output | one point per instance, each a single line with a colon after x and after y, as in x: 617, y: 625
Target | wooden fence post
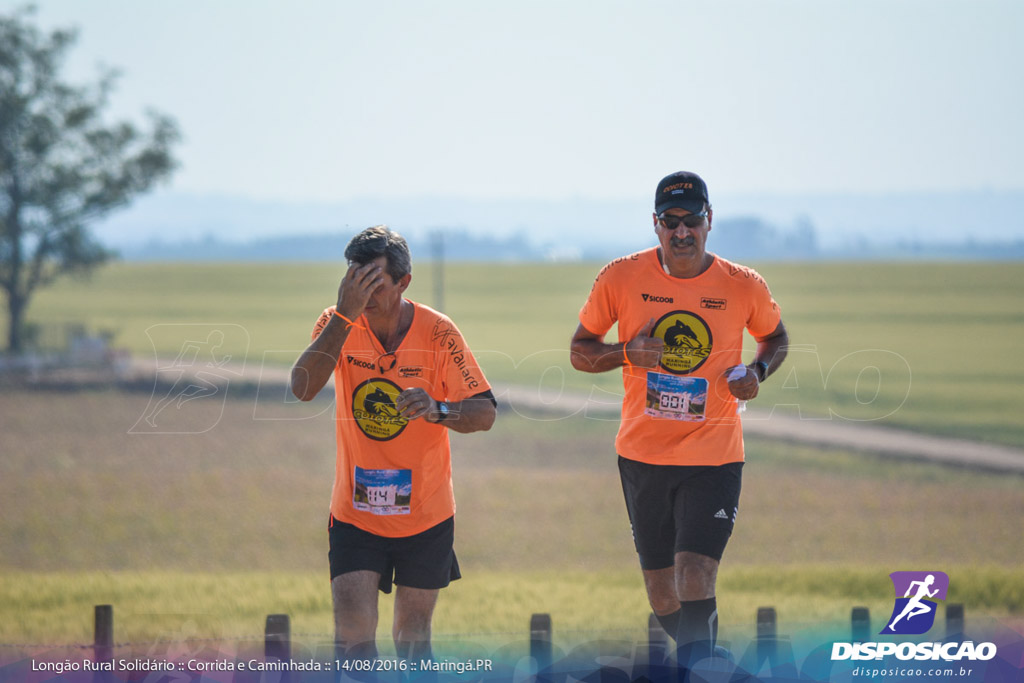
x: 860, y: 623
x: 540, y: 640
x: 103, y: 639
x: 954, y: 619
x: 767, y: 634
x: 278, y: 638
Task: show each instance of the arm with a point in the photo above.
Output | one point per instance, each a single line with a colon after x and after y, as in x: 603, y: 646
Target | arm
x: 771, y: 350
x: 474, y: 414
x: 589, y: 353
x: 314, y: 367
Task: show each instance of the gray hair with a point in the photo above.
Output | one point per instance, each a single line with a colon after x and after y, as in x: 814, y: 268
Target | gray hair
x: 380, y: 240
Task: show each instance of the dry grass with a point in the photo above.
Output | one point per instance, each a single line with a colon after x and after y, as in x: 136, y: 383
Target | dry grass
x: 79, y: 492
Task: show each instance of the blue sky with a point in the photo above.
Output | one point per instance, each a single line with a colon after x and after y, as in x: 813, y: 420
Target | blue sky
x: 332, y: 100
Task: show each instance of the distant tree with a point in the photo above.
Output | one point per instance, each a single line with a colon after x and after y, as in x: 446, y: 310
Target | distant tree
x: 61, y: 166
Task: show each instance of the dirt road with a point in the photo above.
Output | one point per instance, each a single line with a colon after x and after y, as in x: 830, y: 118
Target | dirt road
x: 859, y: 436
x: 869, y: 436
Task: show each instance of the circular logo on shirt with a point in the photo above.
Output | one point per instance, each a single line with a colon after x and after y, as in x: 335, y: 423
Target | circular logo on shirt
x: 373, y: 407
x: 687, y: 341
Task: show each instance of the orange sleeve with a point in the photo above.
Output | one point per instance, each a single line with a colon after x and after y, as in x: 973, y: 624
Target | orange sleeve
x: 764, y: 315
x: 599, y: 312
x: 461, y: 374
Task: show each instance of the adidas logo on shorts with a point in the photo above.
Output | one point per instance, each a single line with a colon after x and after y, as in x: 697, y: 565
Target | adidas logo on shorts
x: 721, y: 514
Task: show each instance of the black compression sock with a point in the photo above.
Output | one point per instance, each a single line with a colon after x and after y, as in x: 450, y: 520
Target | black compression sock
x: 698, y: 629
x: 670, y: 622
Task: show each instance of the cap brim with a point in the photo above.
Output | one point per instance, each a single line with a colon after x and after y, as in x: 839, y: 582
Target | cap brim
x: 691, y: 205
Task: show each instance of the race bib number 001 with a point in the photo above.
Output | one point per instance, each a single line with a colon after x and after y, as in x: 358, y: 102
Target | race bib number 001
x: 670, y: 397
x: 382, y: 492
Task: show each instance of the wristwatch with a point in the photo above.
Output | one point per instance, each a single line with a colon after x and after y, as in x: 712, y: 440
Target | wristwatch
x: 443, y: 412
x: 760, y: 369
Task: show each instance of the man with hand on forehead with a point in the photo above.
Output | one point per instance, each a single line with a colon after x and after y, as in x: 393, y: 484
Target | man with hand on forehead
x: 403, y: 377
x: 681, y: 313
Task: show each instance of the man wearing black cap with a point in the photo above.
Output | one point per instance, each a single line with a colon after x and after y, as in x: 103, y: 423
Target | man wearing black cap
x: 681, y: 313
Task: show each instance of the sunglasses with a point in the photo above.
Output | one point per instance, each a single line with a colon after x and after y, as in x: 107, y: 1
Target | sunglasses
x: 386, y: 362
x: 690, y: 220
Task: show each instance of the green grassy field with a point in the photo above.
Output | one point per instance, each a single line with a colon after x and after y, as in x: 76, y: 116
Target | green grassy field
x: 488, y: 607
x: 930, y: 347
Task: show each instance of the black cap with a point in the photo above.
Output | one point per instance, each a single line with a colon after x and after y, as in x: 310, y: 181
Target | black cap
x: 681, y: 190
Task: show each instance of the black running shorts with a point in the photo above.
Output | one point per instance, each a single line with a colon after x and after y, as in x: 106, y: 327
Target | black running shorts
x: 423, y: 560
x: 677, y: 508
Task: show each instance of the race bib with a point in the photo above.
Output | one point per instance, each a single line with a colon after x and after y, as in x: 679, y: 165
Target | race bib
x: 670, y: 397
x: 382, y: 492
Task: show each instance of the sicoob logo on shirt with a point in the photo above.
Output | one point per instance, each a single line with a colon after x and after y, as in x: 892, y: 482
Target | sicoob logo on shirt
x: 373, y: 407
x: 687, y: 341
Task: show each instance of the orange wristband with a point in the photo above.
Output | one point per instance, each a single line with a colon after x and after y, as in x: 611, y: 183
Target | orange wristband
x: 351, y: 324
x: 625, y: 357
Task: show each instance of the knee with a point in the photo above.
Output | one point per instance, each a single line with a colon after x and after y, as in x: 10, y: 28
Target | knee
x: 353, y: 634
x: 664, y: 603
x: 695, y: 576
x: 412, y: 627
x: 414, y: 609
x: 662, y: 596
x: 354, y: 626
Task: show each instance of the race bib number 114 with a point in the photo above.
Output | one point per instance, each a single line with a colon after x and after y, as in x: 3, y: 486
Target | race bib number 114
x: 383, y: 492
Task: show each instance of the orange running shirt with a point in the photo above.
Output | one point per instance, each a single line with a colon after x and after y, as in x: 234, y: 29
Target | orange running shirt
x: 681, y: 413
x: 393, y: 477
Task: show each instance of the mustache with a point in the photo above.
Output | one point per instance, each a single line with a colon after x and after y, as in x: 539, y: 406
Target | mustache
x: 685, y: 242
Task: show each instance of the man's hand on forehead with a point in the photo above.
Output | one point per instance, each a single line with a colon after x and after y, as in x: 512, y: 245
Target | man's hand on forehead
x: 358, y: 285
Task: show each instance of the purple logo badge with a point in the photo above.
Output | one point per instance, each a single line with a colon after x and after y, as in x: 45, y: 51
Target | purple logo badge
x: 916, y: 595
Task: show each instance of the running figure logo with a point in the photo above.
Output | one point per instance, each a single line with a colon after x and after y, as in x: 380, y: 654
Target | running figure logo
x: 914, y: 613
x: 189, y: 392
